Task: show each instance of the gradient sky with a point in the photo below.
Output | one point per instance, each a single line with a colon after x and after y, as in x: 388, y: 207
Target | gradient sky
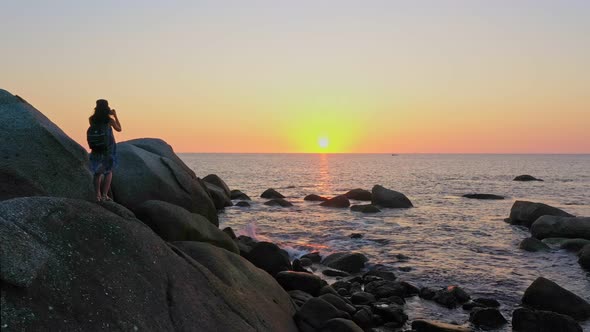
x: 277, y: 76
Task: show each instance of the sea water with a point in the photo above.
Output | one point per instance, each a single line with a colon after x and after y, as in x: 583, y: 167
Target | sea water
x: 444, y: 240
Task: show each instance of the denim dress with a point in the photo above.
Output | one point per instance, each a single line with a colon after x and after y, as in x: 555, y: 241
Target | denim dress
x: 105, y: 161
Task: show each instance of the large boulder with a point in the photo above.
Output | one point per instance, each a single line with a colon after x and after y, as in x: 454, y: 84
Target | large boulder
x: 389, y: 198
x: 487, y: 318
x: 149, y: 170
x: 174, y: 223
x: 36, y: 157
x: 527, y: 320
x: 70, y: 265
x: 306, y: 282
x: 525, y: 213
x: 544, y: 294
x: 337, y: 202
x: 218, y: 195
x: 584, y: 257
x: 533, y: 245
x: 214, y: 179
x: 270, y: 193
x: 315, y: 313
x: 346, y: 261
x: 238, y: 194
x: 359, y: 195
x: 269, y: 257
x: 564, y: 227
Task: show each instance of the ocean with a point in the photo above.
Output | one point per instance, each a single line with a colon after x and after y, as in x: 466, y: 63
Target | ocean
x: 444, y: 240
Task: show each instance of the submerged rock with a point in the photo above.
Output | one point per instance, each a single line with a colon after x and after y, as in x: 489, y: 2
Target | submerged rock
x: 243, y: 204
x: 483, y: 196
x: 389, y: 198
x: 564, y: 227
x: 279, y: 202
x: 124, y: 274
x: 174, y: 223
x: 359, y: 195
x: 337, y: 202
x: 528, y: 320
x: 315, y: 198
x: 236, y: 194
x: 346, y: 261
x: 366, y: 208
x: 37, y: 158
x: 271, y: 193
x: 544, y: 294
x: 526, y: 213
x: 533, y: 245
x: 526, y: 177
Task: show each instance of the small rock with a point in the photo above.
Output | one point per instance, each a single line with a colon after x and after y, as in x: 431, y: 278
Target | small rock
x: 299, y: 297
x: 366, y: 208
x: 356, y: 236
x: 359, y: 194
x: 315, y: 198
x: 298, y: 267
x: 584, y: 257
x: 340, y: 325
x: 526, y: 177
x: 230, y: 232
x: 483, y: 196
x: 313, y: 256
x: 315, y: 313
x: 381, y: 272
x: 337, y: 202
x: 487, y: 317
x: 335, y: 273
x: 307, y: 282
x: 363, y: 317
x: 528, y: 320
x: 338, y: 302
x: 362, y: 298
x: 391, y: 314
x: 533, y: 245
x: 423, y: 325
x: 345, y: 261
x: 487, y: 302
x: 327, y: 289
x: 574, y: 245
x: 451, y: 296
x: 278, y: 202
x: 243, y: 204
x: 271, y: 193
x: 236, y: 194
x: 269, y: 257
x: 427, y: 293
x: 305, y: 261
x: 389, y: 198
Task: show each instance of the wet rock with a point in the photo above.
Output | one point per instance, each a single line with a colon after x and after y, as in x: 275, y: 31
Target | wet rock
x: 487, y: 318
x: 526, y: 213
x: 300, y: 297
x: 305, y: 261
x: 269, y: 257
x: 307, y: 282
x: 528, y: 320
x: 315, y: 313
x: 533, y: 245
x: 574, y: 245
x: 393, y: 299
x: 37, y: 157
x: 150, y: 170
x: 243, y: 204
x: 366, y: 208
x: 526, y: 177
x: 356, y: 236
x: 451, y: 296
x: 389, y: 198
x: 362, y: 298
x: 117, y: 268
x: 405, y: 268
x: 278, y: 202
x: 410, y: 289
x: 327, y: 289
x: 342, y: 284
x: 402, y: 258
x: 385, y: 289
x: 340, y: 325
x: 427, y: 293
x: 339, y: 302
x: 564, y: 227
x: 355, y: 287
x: 237, y: 194
x: 346, y: 261
x: 363, y: 318
x: 298, y: 267
x: 359, y: 195
x: 483, y: 196
x: 245, y: 244
x: 423, y: 325
x: 544, y: 294
x: 335, y: 273
x: 313, y: 256
x: 337, y: 202
x: 391, y: 313
x: 218, y: 195
x: 315, y: 198
x: 174, y: 223
x: 487, y: 302
x: 218, y: 182
x: 271, y: 193
x: 230, y: 232
x: 471, y: 305
x: 584, y: 257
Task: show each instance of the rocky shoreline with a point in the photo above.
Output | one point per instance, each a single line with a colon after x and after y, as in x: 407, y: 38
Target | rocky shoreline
x: 155, y: 259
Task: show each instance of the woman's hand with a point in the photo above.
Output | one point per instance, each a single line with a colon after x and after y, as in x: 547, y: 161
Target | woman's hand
x: 113, y: 112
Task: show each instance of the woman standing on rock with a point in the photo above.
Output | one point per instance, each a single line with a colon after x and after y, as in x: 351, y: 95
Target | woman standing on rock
x: 103, y: 157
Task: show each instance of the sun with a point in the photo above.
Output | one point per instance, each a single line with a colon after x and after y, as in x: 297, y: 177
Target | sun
x: 323, y: 142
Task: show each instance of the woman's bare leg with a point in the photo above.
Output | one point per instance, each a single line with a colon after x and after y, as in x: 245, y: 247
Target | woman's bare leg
x: 106, y: 185
x: 97, y: 186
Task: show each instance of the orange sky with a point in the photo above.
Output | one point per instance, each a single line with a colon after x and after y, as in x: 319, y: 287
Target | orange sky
x: 388, y: 78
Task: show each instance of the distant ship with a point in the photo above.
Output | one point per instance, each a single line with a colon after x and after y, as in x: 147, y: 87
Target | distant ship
x: 394, y: 154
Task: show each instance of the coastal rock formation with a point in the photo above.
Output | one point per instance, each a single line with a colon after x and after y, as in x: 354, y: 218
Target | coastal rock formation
x: 346, y: 261
x: 526, y: 177
x: 359, y: 195
x: 271, y: 193
x: 532, y: 244
x: 528, y: 320
x: 306, y: 282
x: 269, y: 257
x: 483, y: 196
x: 365, y: 208
x: 339, y: 201
x: 584, y: 257
x: 236, y: 194
x: 72, y: 265
x: 219, y: 196
x: 148, y: 171
x: 36, y: 157
x: 315, y: 313
x: 544, y: 294
x: 174, y: 223
x: 315, y: 198
x: 389, y: 198
x: 217, y: 181
x: 526, y: 213
x: 564, y: 227
x: 278, y: 202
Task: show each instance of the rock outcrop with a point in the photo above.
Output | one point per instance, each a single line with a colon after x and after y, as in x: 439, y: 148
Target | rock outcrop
x: 36, y: 157
x: 270, y: 193
x: 389, y: 198
x: 526, y: 213
x: 149, y: 170
x: 72, y: 265
x: 564, y: 227
x: 544, y: 294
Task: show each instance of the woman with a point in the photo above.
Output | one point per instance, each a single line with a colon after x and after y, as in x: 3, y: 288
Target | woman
x: 103, y: 162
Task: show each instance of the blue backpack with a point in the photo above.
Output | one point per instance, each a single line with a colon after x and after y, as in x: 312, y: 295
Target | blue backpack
x: 97, y: 137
